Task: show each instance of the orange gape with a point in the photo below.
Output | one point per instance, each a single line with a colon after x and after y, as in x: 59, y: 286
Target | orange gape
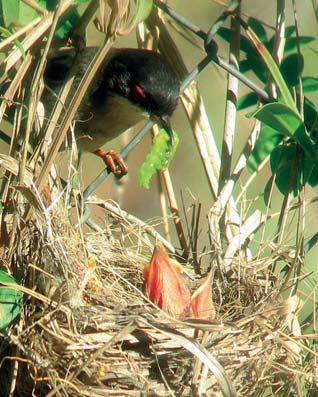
x: 201, y: 300
x: 165, y: 287
x: 164, y: 284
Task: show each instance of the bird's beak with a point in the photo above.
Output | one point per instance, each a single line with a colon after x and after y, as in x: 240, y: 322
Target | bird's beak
x: 164, y: 122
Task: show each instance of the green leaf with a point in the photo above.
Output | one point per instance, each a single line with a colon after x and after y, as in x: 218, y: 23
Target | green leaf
x: 74, y: 181
x: 271, y: 65
x: 289, y: 31
x: 16, y: 13
x: 291, y: 68
x: 287, y: 122
x: 310, y: 84
x: 310, y: 114
x: 49, y: 5
x: 67, y: 23
x: 9, y: 12
x: 5, y: 32
x: 315, y: 7
x: 292, y: 43
x: 310, y: 243
x: 143, y: 9
x: 279, y: 117
x: 291, y: 167
x: 267, y: 141
x: 244, y: 66
x: 313, y: 177
x: 159, y: 157
x: 268, y: 191
x: 247, y: 100
x: 258, y: 66
x: 258, y: 28
x: 10, y: 301
x: 245, y: 44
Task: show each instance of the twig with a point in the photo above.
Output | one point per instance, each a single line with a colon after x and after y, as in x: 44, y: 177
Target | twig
x: 175, y: 211
x: 163, y: 207
x: 230, y: 109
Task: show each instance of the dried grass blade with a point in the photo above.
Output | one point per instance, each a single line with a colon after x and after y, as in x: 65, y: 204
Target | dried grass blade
x: 231, y: 100
x: 31, y: 39
x: 123, y: 215
x: 36, y: 89
x: 14, y: 85
x: 75, y: 102
x: 200, y: 352
x: 250, y: 225
x: 12, y: 165
x: 9, y: 40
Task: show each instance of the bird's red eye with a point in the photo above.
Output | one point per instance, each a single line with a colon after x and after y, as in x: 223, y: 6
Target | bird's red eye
x: 138, y: 94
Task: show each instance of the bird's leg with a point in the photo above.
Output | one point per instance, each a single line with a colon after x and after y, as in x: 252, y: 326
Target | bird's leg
x: 113, y: 162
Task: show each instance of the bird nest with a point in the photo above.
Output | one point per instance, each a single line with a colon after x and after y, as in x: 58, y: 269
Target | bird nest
x: 87, y: 329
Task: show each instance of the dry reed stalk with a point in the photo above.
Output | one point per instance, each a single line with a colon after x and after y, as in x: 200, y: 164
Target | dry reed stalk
x: 31, y: 40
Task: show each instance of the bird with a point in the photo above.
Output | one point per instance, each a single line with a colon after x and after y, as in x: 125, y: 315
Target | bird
x: 131, y: 85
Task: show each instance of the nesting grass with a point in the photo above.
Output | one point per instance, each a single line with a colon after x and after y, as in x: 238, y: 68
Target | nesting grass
x: 87, y: 328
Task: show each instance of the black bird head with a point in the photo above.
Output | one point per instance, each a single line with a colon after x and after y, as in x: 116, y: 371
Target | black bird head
x: 143, y: 77
x: 129, y: 86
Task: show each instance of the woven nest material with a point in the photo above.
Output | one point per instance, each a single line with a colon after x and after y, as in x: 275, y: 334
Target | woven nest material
x: 88, y: 330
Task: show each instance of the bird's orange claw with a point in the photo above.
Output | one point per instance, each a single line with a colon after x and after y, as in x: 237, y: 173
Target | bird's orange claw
x: 113, y: 162
x: 164, y: 284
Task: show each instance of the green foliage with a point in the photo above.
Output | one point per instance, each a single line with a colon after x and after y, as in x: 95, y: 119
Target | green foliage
x: 253, y: 61
x: 294, y: 162
x: 10, y: 301
x: 310, y: 84
x: 290, y: 141
x: 281, y: 118
x: 291, y: 168
x: 5, y: 33
x: 143, y: 9
x: 258, y: 28
x: 291, y: 68
x: 159, y: 157
x: 16, y: 13
x: 247, y: 100
x: 267, y: 141
x: 67, y: 23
